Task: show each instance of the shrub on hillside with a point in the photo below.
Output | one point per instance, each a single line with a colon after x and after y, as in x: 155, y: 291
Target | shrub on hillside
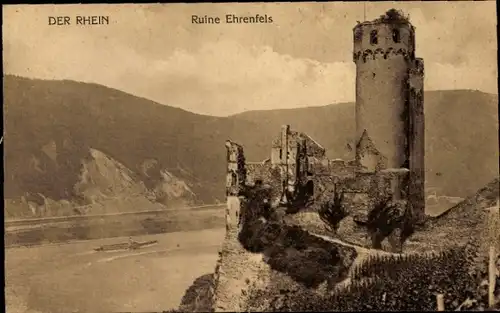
x: 310, y: 266
x: 333, y: 211
x: 387, y: 216
x: 199, y: 296
x: 258, y: 235
x: 312, y: 260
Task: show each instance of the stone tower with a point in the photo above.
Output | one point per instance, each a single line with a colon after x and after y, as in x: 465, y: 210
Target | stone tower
x: 389, y: 102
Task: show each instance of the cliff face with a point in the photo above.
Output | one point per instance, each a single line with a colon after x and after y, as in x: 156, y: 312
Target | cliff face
x: 166, y: 188
x: 103, y: 185
x: 102, y: 178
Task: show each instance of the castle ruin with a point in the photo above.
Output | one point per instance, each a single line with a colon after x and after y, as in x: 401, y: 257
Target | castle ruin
x: 389, y: 158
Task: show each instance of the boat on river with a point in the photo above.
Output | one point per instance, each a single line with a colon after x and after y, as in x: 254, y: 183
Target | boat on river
x: 131, y: 245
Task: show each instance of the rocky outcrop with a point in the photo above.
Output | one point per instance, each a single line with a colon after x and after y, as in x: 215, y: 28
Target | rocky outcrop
x: 102, y: 177
x: 165, y: 187
x: 103, y: 185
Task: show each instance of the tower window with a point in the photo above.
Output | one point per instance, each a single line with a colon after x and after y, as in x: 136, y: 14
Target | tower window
x: 396, y: 36
x: 373, y: 37
x: 358, y: 35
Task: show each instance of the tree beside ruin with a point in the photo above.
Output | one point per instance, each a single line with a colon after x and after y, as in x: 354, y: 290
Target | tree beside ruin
x: 332, y: 211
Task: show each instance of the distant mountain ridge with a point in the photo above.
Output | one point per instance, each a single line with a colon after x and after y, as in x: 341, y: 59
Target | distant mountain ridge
x: 156, y: 142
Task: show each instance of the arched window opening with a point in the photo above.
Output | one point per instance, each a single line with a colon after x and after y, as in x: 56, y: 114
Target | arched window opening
x: 358, y: 35
x: 396, y: 36
x: 373, y: 37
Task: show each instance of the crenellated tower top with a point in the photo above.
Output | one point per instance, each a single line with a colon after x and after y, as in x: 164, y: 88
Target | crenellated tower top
x: 390, y: 34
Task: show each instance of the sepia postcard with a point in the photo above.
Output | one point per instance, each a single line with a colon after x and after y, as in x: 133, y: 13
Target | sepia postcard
x: 246, y: 157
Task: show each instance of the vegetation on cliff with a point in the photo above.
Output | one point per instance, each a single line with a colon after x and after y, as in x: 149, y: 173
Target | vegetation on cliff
x: 306, y: 258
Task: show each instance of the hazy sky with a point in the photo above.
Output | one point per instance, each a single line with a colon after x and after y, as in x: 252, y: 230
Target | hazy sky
x: 302, y: 59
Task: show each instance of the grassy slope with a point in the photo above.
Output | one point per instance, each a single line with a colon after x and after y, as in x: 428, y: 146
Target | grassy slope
x: 458, y: 225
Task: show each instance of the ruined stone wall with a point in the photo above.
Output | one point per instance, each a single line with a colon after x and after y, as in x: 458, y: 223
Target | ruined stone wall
x: 275, y: 155
x: 292, y: 178
x: 258, y: 171
x: 362, y: 192
x: 236, y: 171
x: 313, y: 148
x: 318, y: 166
x: 290, y: 153
x: 235, y: 268
x: 269, y: 174
x: 342, y: 168
x: 361, y: 189
x: 358, y: 192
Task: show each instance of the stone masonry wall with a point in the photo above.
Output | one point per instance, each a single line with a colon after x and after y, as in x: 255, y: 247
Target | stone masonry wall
x: 235, y: 270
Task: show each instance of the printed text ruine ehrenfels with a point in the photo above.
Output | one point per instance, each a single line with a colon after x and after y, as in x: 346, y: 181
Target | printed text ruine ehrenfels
x: 231, y: 19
